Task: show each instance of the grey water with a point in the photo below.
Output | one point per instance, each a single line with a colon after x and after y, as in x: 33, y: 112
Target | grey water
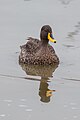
x: 35, y: 93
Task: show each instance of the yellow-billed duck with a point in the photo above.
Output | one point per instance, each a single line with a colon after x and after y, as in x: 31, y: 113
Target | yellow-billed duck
x: 39, y: 52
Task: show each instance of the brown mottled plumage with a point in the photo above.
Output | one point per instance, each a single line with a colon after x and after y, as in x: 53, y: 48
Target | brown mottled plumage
x: 39, y: 52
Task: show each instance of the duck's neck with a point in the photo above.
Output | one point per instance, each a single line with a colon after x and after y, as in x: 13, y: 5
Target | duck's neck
x: 44, y: 43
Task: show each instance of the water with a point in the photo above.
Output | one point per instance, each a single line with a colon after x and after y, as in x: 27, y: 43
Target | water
x: 31, y: 95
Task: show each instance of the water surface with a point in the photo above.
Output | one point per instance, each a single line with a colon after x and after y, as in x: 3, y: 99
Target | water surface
x: 31, y: 95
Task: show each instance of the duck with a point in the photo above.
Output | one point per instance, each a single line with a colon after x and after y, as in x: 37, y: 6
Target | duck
x: 39, y: 52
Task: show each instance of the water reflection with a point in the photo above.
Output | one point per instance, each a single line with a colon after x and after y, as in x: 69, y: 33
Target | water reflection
x: 75, y: 32
x: 65, y: 2
x: 44, y: 72
x: 44, y: 92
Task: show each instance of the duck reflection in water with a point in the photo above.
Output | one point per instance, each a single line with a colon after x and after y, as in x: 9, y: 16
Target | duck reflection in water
x: 44, y: 92
x: 44, y: 72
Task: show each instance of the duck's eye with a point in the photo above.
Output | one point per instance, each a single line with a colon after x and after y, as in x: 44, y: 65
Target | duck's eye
x: 46, y: 30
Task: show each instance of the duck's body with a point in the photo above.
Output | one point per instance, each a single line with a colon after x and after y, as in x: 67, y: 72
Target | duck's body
x: 38, y: 52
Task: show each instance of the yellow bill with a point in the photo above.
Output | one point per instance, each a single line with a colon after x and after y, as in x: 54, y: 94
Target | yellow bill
x: 51, y: 38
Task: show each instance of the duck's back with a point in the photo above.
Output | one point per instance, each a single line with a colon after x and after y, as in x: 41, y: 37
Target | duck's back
x: 28, y: 50
x: 33, y: 53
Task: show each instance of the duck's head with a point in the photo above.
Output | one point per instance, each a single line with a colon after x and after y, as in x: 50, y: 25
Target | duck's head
x: 46, y: 34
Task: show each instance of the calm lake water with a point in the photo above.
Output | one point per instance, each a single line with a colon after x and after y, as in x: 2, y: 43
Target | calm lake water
x: 34, y: 93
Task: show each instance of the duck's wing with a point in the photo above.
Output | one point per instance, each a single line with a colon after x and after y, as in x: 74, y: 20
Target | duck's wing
x: 31, y: 46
